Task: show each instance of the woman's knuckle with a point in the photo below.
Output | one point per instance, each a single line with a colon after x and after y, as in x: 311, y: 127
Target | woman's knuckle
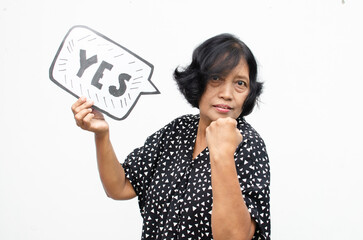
x: 86, y: 121
x: 78, y: 118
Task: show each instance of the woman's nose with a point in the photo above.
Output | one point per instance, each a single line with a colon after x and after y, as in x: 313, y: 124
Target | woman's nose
x: 226, y: 91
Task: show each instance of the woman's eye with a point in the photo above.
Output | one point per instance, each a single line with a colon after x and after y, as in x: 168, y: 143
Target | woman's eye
x: 241, y: 83
x: 215, y: 78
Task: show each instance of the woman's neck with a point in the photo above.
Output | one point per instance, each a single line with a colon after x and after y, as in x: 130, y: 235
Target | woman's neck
x: 201, y: 141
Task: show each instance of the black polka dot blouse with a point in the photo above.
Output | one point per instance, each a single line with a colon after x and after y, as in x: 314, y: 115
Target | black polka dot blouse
x: 175, y: 192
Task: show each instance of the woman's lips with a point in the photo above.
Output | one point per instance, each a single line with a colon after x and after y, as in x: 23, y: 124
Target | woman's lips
x: 222, y: 108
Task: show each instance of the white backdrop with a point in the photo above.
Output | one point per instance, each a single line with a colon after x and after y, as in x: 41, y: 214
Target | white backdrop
x: 310, y: 56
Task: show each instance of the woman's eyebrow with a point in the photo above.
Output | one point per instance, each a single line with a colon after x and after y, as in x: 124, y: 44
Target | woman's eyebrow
x: 242, y: 77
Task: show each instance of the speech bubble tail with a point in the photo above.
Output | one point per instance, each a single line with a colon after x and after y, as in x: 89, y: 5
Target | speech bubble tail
x: 150, y: 88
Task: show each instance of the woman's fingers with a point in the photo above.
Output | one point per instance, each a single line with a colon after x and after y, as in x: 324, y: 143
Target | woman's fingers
x: 80, y: 104
x: 223, y: 136
x: 80, y: 116
x: 81, y: 110
x: 87, y: 120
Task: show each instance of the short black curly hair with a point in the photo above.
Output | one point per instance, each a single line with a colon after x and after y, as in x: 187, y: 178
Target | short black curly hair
x: 217, y: 56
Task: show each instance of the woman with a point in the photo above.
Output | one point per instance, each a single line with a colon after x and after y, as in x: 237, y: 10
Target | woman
x: 202, y: 176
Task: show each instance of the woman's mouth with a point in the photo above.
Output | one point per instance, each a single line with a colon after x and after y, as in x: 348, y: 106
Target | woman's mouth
x: 222, y: 108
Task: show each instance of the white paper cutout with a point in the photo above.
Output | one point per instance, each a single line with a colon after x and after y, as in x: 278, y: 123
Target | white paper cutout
x: 89, y: 64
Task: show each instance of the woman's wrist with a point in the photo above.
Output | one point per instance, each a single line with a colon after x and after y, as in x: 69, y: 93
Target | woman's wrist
x: 102, y: 135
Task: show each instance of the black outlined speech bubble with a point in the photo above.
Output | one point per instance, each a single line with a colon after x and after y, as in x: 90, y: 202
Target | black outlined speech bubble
x: 90, y: 64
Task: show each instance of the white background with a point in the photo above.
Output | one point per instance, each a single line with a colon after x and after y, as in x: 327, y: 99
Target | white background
x: 310, y: 58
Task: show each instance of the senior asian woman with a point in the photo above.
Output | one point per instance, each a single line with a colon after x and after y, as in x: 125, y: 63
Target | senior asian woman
x: 203, y: 176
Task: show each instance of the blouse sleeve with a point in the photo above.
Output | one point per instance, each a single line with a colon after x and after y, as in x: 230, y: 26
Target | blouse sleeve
x: 140, y: 165
x: 253, y: 170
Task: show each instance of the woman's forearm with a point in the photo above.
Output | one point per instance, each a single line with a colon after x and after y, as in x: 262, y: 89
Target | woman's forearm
x: 111, y: 172
x: 230, y: 216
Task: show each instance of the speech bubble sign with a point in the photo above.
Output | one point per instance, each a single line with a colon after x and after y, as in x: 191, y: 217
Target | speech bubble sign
x: 89, y: 64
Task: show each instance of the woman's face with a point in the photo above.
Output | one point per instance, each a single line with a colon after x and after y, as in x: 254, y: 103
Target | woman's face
x: 224, y: 95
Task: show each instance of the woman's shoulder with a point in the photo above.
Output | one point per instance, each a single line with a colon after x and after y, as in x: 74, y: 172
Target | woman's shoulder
x: 184, y: 121
x: 248, y: 132
x: 179, y: 124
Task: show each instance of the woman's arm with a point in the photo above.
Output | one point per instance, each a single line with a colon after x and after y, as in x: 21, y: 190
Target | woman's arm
x: 111, y: 172
x: 230, y: 216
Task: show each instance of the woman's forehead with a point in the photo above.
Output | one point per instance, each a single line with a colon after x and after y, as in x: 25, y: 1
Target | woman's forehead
x: 240, y: 71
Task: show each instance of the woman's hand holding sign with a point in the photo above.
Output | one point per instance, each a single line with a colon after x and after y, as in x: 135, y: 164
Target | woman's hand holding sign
x: 87, y: 118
